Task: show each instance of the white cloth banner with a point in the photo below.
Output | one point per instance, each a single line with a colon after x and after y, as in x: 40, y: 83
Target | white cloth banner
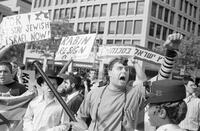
x: 76, y: 47
x: 23, y: 28
x: 130, y: 51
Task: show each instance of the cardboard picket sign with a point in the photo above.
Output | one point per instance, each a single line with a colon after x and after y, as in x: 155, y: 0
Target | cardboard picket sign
x: 28, y: 78
x: 76, y: 47
x: 23, y: 28
x: 137, y: 52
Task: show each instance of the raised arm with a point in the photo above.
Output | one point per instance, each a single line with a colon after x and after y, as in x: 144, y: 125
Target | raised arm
x: 172, y: 44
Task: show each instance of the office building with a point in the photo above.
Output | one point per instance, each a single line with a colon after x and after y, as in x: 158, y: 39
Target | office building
x: 145, y: 23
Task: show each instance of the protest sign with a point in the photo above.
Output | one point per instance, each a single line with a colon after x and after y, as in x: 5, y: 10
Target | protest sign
x: 131, y: 51
x: 110, y: 51
x: 76, y: 47
x: 28, y: 77
x: 23, y: 28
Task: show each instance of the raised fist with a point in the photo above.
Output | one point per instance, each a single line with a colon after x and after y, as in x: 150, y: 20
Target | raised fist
x: 173, y: 41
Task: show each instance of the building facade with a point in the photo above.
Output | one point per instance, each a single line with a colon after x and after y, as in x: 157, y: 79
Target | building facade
x: 145, y: 23
x: 4, y: 11
x: 18, y: 6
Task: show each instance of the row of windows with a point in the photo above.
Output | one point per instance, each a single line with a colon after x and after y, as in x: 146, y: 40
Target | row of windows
x: 124, y: 41
x: 69, y: 13
x: 91, y: 27
x: 127, y: 8
x: 93, y: 11
x: 162, y: 13
x: 152, y: 45
x: 186, y: 24
x: 115, y: 27
x: 125, y: 27
x: 187, y: 8
x: 44, y: 3
x: 170, y: 2
x: 159, y: 31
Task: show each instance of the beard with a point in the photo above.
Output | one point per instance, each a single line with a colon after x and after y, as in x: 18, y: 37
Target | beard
x: 69, y: 90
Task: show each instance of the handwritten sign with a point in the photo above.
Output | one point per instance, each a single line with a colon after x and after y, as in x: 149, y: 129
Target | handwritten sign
x: 130, y: 51
x: 76, y: 47
x: 147, y: 55
x: 23, y: 28
x: 28, y: 78
x: 110, y: 51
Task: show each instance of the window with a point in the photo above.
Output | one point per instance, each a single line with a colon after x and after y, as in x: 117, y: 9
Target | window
x: 190, y: 12
x: 44, y: 3
x: 179, y: 21
x: 126, y: 42
x: 86, y: 27
x: 67, y: 13
x: 68, y: 1
x: 112, y: 27
x: 173, y: 3
x: 114, y: 8
x: 101, y: 27
x: 82, y: 12
x: 186, y: 6
x: 181, y: 5
x: 49, y: 13
x: 189, y: 25
x: 35, y: 4
x: 195, y: 11
x: 193, y: 27
x: 131, y: 8
x: 103, y: 10
x: 122, y: 8
x: 137, y: 27
x: 166, y: 15
x: 150, y: 45
x: 167, y: 1
x: 62, y: 2
x: 170, y: 31
x: 73, y: 12
x: 56, y: 14
x: 109, y: 42
x: 80, y: 27
x: 164, y: 34
x: 154, y: 9
x: 55, y: 3
x: 172, y: 18
x: 49, y: 3
x: 118, y: 42
x: 160, y: 12
x: 140, y: 7
x: 120, y: 27
x: 62, y: 13
x: 96, y: 10
x: 198, y: 30
x: 40, y: 2
x: 136, y: 42
x: 158, y: 31
x: 184, y: 23
x: 128, y: 27
x: 89, y: 11
x: 93, y: 27
x: 151, y: 30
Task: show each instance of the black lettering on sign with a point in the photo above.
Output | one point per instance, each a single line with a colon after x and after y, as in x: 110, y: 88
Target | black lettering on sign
x: 159, y: 58
x: 85, y: 40
x: 25, y: 75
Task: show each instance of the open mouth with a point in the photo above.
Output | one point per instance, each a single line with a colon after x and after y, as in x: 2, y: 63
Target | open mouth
x: 123, y: 78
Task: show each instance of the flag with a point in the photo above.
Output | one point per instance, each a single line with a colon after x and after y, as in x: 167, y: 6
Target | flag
x: 12, y: 110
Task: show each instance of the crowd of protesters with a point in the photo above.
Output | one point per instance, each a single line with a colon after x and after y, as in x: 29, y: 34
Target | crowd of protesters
x: 112, y: 104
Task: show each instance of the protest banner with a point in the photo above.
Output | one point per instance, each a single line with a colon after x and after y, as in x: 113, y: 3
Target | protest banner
x: 148, y: 55
x: 76, y: 47
x: 23, y: 28
x: 28, y: 78
x: 137, y: 52
x: 110, y: 51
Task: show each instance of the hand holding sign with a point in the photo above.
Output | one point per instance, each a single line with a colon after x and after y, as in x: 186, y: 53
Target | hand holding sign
x: 173, y: 41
